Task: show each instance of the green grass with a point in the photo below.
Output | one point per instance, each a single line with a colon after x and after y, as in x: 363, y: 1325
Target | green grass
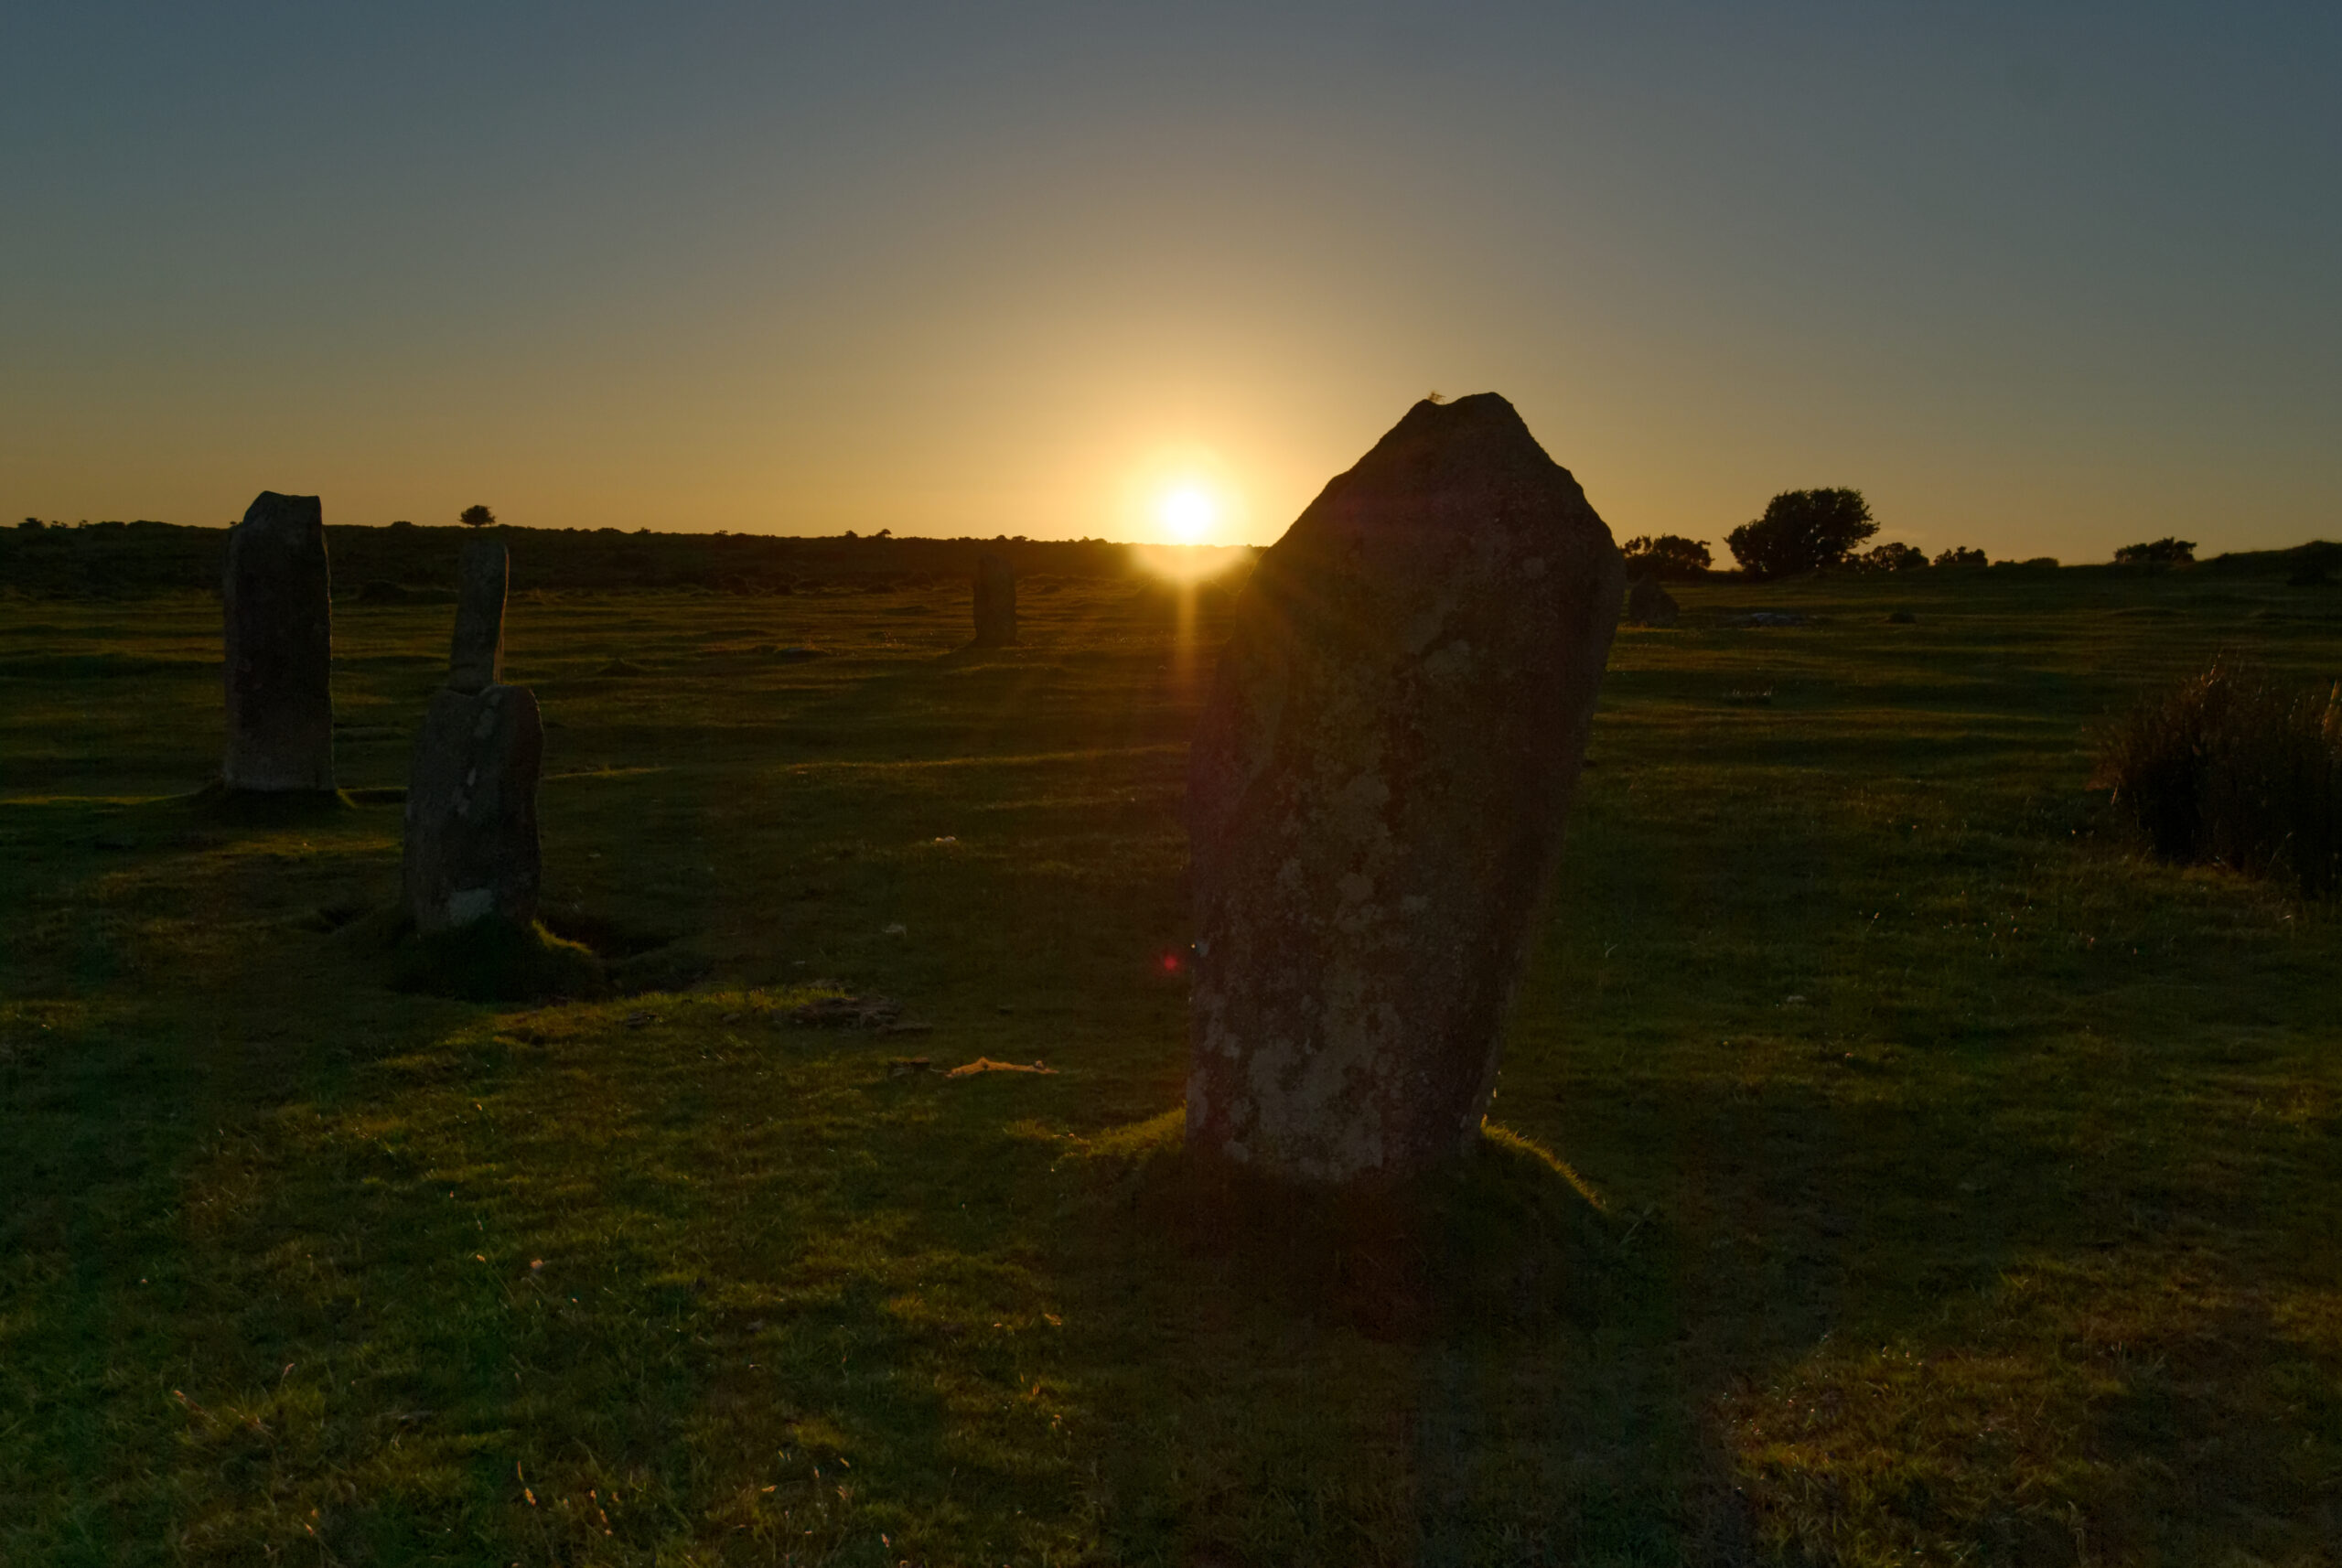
x: 1896, y: 1166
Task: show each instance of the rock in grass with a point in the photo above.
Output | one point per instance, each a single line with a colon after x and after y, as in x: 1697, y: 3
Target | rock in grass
x: 996, y: 602
x: 1648, y: 603
x: 846, y: 1013
x: 1376, y: 791
x: 476, y: 661
x: 471, y: 810
x: 278, y: 594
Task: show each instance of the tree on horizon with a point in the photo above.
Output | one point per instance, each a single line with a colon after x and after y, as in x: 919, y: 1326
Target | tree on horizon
x: 1667, y: 555
x: 1802, y: 530
x: 476, y: 517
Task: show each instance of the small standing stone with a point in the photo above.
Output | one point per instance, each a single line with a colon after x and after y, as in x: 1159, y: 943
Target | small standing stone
x: 996, y: 602
x: 477, y: 660
x: 471, y: 797
x: 278, y: 594
x: 471, y: 810
x: 1648, y: 603
x: 1376, y: 792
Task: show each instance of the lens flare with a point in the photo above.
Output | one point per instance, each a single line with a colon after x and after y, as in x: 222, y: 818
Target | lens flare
x: 1188, y: 513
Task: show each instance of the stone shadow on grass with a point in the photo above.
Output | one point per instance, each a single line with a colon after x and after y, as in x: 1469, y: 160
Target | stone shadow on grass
x: 1476, y: 1367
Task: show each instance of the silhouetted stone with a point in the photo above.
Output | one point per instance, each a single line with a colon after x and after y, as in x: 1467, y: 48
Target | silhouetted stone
x: 471, y: 810
x: 279, y: 598
x: 477, y: 659
x: 1900, y: 617
x: 1376, y: 794
x: 996, y: 602
x: 1648, y: 603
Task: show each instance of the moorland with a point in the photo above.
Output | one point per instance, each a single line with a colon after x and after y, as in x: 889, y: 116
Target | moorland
x: 1891, y: 1163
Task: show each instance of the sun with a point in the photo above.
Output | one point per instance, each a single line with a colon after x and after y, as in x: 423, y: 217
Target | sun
x: 1188, y: 513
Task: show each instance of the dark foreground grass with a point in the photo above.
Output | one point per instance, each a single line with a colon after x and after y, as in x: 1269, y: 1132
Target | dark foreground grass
x: 1894, y: 1164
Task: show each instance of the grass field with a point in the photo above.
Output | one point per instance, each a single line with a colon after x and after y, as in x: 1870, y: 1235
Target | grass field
x: 1894, y: 1166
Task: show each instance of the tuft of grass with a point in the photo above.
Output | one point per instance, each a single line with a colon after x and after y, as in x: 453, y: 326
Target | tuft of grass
x: 2232, y: 769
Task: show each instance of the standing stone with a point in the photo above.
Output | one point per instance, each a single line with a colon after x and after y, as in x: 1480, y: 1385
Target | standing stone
x: 1648, y: 603
x: 996, y: 602
x: 279, y: 600
x: 477, y: 660
x: 471, y: 794
x: 471, y: 810
x: 1376, y: 792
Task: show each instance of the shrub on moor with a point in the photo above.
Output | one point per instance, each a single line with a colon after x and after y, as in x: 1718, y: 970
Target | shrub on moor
x: 2227, y: 768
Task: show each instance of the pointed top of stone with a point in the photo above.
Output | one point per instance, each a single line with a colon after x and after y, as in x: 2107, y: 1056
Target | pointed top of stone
x: 1476, y: 450
x: 291, y: 515
x: 281, y: 522
x: 476, y: 661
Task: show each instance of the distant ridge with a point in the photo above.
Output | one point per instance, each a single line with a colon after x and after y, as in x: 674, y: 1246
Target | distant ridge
x: 383, y: 563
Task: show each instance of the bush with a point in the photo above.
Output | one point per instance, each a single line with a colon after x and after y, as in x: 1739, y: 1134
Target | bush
x: 1960, y: 555
x: 2160, y: 553
x: 1802, y: 530
x: 1667, y: 555
x: 1891, y: 556
x: 2227, y: 769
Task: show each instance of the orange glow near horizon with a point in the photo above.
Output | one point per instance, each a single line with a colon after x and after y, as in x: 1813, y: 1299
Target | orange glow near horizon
x: 1186, y: 492
x: 1187, y: 564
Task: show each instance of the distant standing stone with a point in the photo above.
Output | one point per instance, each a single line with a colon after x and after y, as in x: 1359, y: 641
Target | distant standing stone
x: 996, y: 602
x: 1376, y: 792
x: 477, y: 660
x: 279, y: 598
x: 1648, y: 603
x: 471, y: 810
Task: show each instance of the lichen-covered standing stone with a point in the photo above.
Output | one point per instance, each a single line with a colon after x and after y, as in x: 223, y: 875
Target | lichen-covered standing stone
x: 279, y: 599
x: 477, y: 659
x: 996, y: 602
x: 1376, y: 794
x: 471, y: 810
x: 471, y: 795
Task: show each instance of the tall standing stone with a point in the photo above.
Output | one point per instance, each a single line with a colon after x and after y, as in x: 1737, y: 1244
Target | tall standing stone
x: 477, y: 659
x: 472, y: 849
x: 996, y: 602
x: 1376, y: 794
x: 279, y: 599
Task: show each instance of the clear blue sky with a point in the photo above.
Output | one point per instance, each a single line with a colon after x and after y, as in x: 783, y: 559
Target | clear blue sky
x: 2040, y: 278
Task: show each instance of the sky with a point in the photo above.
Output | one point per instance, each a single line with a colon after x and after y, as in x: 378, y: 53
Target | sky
x: 2038, y: 278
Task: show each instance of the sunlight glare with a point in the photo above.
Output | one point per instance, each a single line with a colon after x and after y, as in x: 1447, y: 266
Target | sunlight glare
x: 1188, y: 513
